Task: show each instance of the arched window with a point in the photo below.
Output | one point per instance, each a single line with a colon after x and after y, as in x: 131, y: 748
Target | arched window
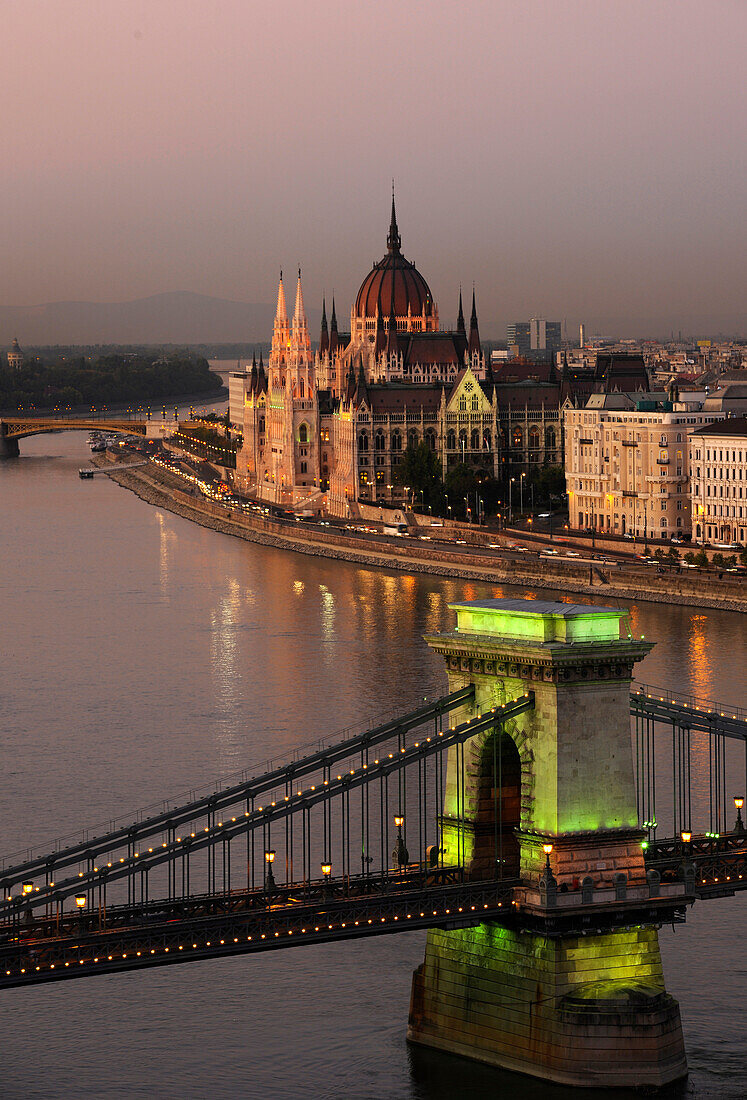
x: 300, y: 388
x: 462, y: 440
x: 517, y: 438
x: 475, y: 402
x: 430, y: 438
x: 396, y: 440
x: 534, y: 437
x: 474, y: 440
x: 451, y: 440
x: 462, y: 404
x: 550, y: 439
x: 486, y: 440
x: 412, y: 438
x: 303, y: 434
x: 363, y: 441
x: 379, y: 441
x: 261, y: 424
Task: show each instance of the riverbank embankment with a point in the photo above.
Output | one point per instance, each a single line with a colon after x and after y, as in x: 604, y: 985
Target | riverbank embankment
x: 163, y: 489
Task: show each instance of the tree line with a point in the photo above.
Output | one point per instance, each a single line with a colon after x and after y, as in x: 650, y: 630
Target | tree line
x: 113, y: 379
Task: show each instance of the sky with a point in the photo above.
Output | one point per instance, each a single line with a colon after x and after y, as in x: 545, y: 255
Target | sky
x: 575, y: 160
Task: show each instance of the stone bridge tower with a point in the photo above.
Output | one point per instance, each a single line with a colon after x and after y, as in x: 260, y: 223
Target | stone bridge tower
x: 570, y: 986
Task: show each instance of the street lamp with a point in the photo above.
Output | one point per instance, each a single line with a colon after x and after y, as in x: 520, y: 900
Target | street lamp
x: 270, y: 885
x: 739, y: 824
x: 522, y: 475
x: 510, y: 501
x: 80, y: 900
x: 400, y: 853
x: 27, y: 888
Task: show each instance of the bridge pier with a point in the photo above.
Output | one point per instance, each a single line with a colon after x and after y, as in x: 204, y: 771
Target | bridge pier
x: 8, y: 447
x: 569, y: 988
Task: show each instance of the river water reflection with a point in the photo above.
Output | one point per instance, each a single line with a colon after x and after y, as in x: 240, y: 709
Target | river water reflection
x: 143, y: 656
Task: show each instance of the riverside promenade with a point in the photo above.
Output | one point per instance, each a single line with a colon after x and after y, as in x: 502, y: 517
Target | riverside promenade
x: 164, y: 489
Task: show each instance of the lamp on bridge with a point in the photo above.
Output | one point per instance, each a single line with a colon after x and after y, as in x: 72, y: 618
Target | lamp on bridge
x: 400, y: 854
x: 27, y: 888
x: 739, y: 824
x: 686, y: 836
x: 270, y: 884
x: 80, y: 900
x: 326, y: 871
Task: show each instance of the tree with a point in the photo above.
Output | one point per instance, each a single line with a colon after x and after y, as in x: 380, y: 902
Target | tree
x: 460, y: 483
x: 701, y: 559
x: 421, y: 472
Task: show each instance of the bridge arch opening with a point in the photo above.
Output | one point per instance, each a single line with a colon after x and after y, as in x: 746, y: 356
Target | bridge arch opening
x: 496, y: 810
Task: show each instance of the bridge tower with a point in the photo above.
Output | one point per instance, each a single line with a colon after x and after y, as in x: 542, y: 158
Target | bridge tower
x: 569, y: 996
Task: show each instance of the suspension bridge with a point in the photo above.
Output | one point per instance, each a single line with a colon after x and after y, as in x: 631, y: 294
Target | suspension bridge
x: 444, y: 818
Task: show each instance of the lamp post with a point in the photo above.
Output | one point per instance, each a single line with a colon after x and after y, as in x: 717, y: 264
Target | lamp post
x: 326, y: 876
x: 739, y: 824
x: 510, y: 500
x: 80, y: 901
x: 270, y: 884
x: 522, y: 475
x: 400, y: 854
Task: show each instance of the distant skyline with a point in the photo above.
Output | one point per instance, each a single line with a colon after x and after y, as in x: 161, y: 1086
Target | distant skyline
x: 576, y: 160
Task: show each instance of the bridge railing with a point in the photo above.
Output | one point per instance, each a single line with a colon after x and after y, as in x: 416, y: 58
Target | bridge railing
x: 692, y: 702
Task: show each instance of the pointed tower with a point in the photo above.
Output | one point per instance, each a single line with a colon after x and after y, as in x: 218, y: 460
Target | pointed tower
x: 393, y: 240
x: 299, y: 327
x: 324, y: 338
x: 333, y: 341
x: 474, y: 348
x: 253, y: 375
x: 460, y: 319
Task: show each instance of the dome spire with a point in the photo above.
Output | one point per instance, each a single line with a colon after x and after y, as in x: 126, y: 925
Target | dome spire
x: 393, y: 240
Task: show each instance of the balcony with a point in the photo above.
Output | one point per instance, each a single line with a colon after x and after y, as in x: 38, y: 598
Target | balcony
x: 586, y: 442
x: 629, y: 443
x: 662, y: 462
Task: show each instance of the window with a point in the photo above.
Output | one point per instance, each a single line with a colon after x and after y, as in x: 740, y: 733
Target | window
x: 462, y: 404
x: 475, y: 403
x: 474, y: 441
x: 451, y: 440
x: 303, y: 434
x: 363, y: 441
x: 379, y: 441
x: 534, y: 437
x: 396, y: 440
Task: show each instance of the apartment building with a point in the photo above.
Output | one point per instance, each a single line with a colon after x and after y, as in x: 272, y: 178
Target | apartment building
x: 627, y: 463
x: 719, y: 483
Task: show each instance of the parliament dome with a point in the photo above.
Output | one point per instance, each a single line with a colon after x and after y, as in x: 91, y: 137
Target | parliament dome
x: 394, y: 284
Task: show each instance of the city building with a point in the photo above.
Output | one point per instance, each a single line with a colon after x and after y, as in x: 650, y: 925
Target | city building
x: 627, y: 462
x: 718, y: 462
x: 534, y: 339
x: 16, y: 358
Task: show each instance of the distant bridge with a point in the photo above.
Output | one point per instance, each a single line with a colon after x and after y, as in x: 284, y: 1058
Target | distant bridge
x: 13, y: 428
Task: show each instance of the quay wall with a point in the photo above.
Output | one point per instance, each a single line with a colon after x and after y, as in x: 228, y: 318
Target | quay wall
x: 166, y: 490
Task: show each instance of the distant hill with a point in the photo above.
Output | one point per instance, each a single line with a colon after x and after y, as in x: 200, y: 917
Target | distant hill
x: 179, y: 317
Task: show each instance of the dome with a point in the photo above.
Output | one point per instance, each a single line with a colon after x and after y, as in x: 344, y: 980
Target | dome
x: 394, y: 282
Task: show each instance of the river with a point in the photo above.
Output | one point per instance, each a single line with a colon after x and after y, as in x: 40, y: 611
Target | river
x: 143, y: 656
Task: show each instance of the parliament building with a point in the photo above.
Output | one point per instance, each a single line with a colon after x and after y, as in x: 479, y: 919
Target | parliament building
x: 328, y: 427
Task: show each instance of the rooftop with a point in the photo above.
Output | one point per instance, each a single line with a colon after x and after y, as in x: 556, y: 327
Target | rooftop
x: 539, y: 621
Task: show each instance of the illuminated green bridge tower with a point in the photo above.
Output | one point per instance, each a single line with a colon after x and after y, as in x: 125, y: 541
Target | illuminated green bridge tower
x: 570, y: 986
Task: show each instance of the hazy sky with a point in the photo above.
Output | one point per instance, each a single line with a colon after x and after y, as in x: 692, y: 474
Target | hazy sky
x: 576, y: 159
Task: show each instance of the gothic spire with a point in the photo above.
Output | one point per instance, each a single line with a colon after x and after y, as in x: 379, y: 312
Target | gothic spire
x: 324, y: 338
x: 460, y: 318
x: 474, y: 335
x: 281, y: 314
x: 299, y: 317
x: 393, y: 240
x: 333, y: 341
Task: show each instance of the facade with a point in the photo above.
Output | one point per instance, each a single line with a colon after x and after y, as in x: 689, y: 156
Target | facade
x: 627, y: 464
x: 718, y: 462
x: 16, y: 357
